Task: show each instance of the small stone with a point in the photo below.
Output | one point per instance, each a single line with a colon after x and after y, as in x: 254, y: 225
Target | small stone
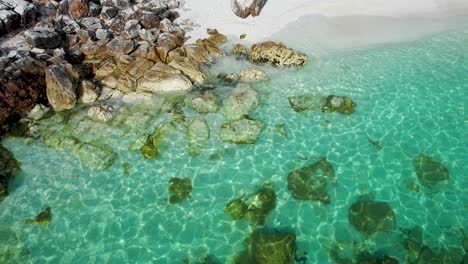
x: 240, y: 50
x: 304, y: 103
x: 103, y: 113
x: 44, y: 38
x: 43, y: 218
x: 61, y: 85
x: 277, y: 54
x: 212, y: 31
x: 108, y: 12
x: 198, y: 134
x: 103, y: 34
x: 242, y: 36
x: 149, y: 35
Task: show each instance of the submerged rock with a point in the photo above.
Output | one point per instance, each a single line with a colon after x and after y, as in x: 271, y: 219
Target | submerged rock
x: 308, y: 102
x: 429, y: 171
x: 277, y: 54
x: 242, y: 101
x: 179, y: 189
x: 236, y: 209
x: 340, y: 104
x: 273, y: 247
x: 198, y: 134
x: 450, y: 255
x: 150, y: 150
x: 206, y: 103
x: 43, y: 218
x: 369, y: 217
x: 310, y: 183
x: 103, y: 113
x: 9, y: 167
x: 244, y: 131
x: 253, y: 74
x: 95, y: 156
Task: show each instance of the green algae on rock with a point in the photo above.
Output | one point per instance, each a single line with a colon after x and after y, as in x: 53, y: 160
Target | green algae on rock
x: 43, y: 218
x: 236, y: 209
x: 198, y: 134
x: 206, y: 103
x: 150, y: 150
x: 429, y: 171
x: 126, y: 168
x: 179, y: 189
x: 242, y: 101
x: 369, y: 217
x: 9, y: 167
x: 277, y: 54
x: 244, y: 131
x: 340, y: 104
x: 95, y: 156
x: 310, y: 183
x: 304, y: 103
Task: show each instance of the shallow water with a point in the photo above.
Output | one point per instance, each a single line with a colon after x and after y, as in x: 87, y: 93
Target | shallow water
x: 410, y: 97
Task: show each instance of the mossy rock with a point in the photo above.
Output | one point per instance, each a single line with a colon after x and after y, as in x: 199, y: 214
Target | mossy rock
x: 260, y: 205
x: 179, y: 189
x: 43, y: 218
x: 310, y: 183
x: 95, y: 156
x: 340, y: 104
x: 369, y: 217
x: 273, y: 247
x: 304, y: 103
x: 429, y: 171
x: 236, y: 209
x: 150, y: 150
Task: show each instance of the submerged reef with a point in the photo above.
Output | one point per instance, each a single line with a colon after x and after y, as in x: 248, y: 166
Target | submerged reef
x: 43, y: 218
x: 9, y: 167
x: 179, y: 189
x: 310, y: 183
x: 429, y: 171
x: 340, y: 104
x: 256, y: 208
x: 331, y: 103
x: 369, y: 217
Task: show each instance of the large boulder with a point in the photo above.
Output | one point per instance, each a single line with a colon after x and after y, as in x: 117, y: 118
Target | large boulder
x: 244, y: 8
x: 277, y: 54
x: 244, y: 131
x: 242, y: 101
x: 310, y: 183
x: 44, y: 38
x: 163, y: 78
x: 340, y: 104
x: 61, y: 85
x: 9, y: 167
x: 95, y: 156
x: 198, y: 134
x: 429, y: 171
x: 206, y: 103
x: 190, y: 69
x: 369, y: 217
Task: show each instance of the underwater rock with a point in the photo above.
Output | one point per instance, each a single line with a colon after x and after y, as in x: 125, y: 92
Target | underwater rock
x: 440, y: 256
x: 308, y: 102
x: 150, y: 150
x: 126, y: 168
x: 206, y: 103
x: 310, y: 183
x: 9, y: 167
x: 88, y: 92
x: 236, y: 209
x: 242, y: 101
x: 429, y: 171
x: 61, y: 84
x: 95, y: 156
x: 413, y: 242
x: 103, y: 113
x: 367, y: 258
x: 230, y: 79
x: 369, y: 217
x: 282, y: 130
x: 277, y: 54
x: 340, y: 104
x: 374, y: 143
x: 179, y: 189
x: 198, y: 134
x: 260, y: 205
x: 138, y: 143
x: 43, y: 218
x: 273, y: 247
x: 253, y: 74
x: 239, y: 50
x: 244, y: 131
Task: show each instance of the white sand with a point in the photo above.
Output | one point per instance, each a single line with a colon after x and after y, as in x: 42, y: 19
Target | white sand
x: 330, y: 24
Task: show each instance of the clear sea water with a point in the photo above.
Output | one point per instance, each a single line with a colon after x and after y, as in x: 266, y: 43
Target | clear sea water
x: 411, y: 97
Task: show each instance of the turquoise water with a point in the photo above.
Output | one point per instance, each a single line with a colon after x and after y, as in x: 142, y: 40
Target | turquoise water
x: 411, y: 97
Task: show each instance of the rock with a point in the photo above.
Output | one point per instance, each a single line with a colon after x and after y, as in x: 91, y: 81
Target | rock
x: 128, y: 80
x: 206, y: 103
x: 310, y: 183
x: 9, y: 20
x: 163, y: 78
x: 167, y: 42
x: 244, y: 131
x: 253, y: 74
x: 86, y: 36
x: 197, y: 53
x: 429, y: 171
x: 43, y: 218
x: 179, y: 189
x: 217, y: 39
x: 132, y: 29
x: 44, y: 38
x: 120, y: 46
x: 229, y: 79
x: 242, y: 101
x: 239, y: 50
x: 94, y: 10
x: 149, y: 35
x: 304, y: 103
x: 236, y: 209
x: 103, y: 113
x: 103, y: 34
x: 61, y: 85
x: 212, y: 31
x: 91, y: 23
x: 38, y: 112
x: 369, y: 217
x: 260, y: 205
x: 138, y: 143
x: 166, y: 26
x: 25, y: 10
x: 108, y: 12
x: 274, y: 247
x: 277, y: 54
x: 148, y: 19
x: 440, y: 256
x: 78, y: 8
x: 138, y: 98
x: 95, y: 156
x: 198, y: 134
x: 244, y: 8
x: 150, y: 150
x: 242, y: 36
x: 190, y: 69
x: 340, y: 104
x: 9, y: 167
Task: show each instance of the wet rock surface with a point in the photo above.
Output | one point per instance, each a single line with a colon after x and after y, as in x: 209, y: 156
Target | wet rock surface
x: 277, y: 54
x: 429, y: 171
x: 310, y: 183
x: 369, y: 217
